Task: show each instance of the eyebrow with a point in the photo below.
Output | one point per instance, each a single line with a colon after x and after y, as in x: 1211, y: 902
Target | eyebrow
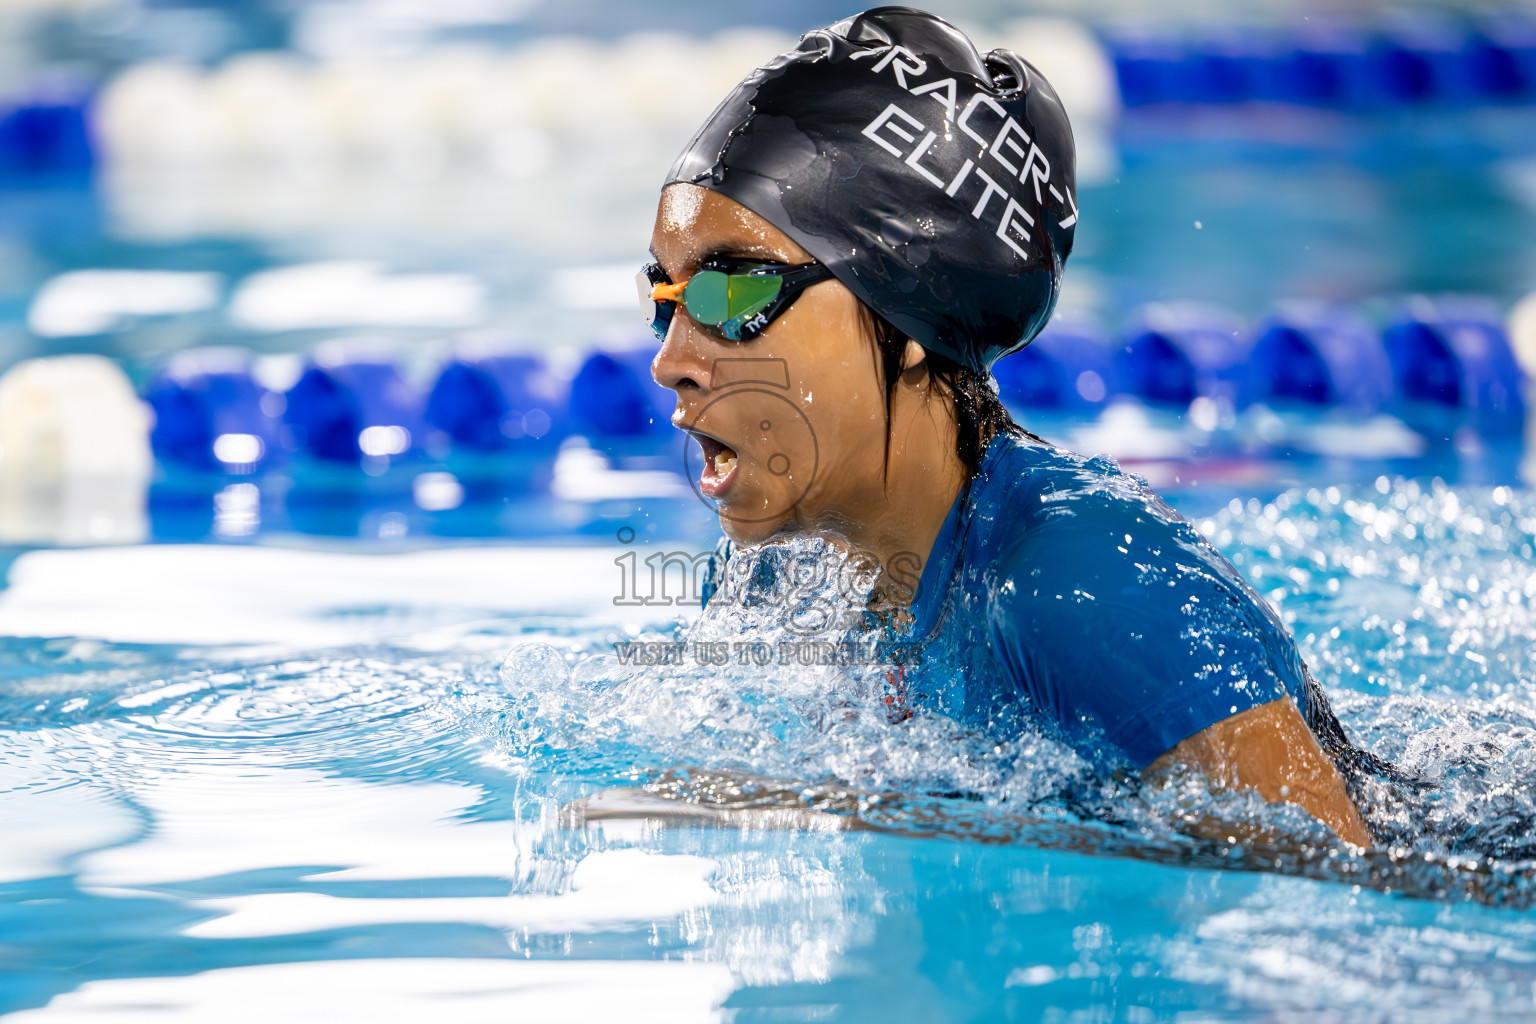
x: 732, y: 250
x: 741, y: 251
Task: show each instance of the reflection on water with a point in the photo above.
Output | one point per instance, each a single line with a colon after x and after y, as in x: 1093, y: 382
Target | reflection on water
x: 409, y: 989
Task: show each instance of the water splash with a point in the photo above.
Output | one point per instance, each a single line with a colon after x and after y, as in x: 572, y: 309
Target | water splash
x: 1415, y: 605
x: 567, y: 714
x: 1410, y: 605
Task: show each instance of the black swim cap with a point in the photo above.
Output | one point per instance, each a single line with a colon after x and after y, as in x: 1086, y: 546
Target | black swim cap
x: 937, y: 184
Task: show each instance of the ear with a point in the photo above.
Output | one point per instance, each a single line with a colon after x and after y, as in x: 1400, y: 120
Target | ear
x: 912, y: 356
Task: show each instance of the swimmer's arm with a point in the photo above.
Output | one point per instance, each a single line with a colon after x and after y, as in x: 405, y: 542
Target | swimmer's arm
x: 1270, y: 749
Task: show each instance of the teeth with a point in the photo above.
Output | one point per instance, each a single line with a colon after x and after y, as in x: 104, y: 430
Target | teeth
x: 725, y: 461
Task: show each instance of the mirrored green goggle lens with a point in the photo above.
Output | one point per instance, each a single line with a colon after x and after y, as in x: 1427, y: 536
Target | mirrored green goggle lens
x: 728, y: 301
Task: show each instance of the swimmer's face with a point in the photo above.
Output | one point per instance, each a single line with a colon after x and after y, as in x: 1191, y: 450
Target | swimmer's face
x: 791, y: 424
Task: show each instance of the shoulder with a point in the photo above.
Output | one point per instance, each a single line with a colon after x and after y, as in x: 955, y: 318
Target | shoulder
x: 1022, y: 467
x: 1076, y: 532
x: 1106, y: 605
x: 1032, y: 497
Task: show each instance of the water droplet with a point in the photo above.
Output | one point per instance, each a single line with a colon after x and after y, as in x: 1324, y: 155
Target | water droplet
x: 534, y: 666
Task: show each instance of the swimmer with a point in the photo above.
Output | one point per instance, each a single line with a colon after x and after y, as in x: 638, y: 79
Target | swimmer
x: 842, y: 252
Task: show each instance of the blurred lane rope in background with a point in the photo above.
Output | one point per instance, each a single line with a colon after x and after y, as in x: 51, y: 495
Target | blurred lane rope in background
x: 338, y: 249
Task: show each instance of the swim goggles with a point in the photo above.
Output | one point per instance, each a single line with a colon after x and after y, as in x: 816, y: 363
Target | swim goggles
x: 736, y: 298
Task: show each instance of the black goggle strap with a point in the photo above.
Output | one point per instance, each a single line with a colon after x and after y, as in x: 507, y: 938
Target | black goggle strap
x: 802, y: 275
x: 794, y: 280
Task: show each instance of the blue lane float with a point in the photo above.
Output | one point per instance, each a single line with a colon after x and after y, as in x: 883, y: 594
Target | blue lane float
x: 1325, y: 69
x: 1503, y: 59
x: 1423, y: 63
x: 614, y: 396
x: 1415, y: 61
x: 212, y: 415
x: 1069, y: 368
x: 1232, y: 67
x: 1496, y: 70
x: 1318, y: 356
x: 45, y: 141
x: 1148, y: 70
x: 1174, y: 354
x: 1443, y: 365
x: 1321, y: 70
x: 1454, y: 354
x: 355, y: 412
x: 499, y: 404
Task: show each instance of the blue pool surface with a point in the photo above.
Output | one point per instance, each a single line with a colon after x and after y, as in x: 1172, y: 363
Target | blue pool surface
x: 332, y: 728
x: 292, y: 780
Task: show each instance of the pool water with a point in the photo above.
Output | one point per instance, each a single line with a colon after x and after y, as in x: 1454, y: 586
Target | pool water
x: 327, y: 751
x: 349, y: 785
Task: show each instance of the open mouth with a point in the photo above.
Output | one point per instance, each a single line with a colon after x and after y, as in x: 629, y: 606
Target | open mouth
x: 719, y: 464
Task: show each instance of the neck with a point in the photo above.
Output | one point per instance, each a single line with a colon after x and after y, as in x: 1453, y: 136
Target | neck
x: 923, y: 478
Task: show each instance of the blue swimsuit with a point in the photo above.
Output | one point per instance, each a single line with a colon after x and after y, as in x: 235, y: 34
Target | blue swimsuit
x: 1060, y: 592
x: 1060, y: 587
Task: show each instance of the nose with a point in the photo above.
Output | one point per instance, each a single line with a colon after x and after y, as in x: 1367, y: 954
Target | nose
x: 682, y: 363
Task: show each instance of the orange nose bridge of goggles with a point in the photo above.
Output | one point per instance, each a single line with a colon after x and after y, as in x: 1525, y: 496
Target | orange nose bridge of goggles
x: 668, y: 292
